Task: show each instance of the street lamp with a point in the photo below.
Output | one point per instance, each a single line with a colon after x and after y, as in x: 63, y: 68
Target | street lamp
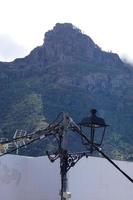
x: 59, y: 129
x: 97, y: 130
x: 69, y: 159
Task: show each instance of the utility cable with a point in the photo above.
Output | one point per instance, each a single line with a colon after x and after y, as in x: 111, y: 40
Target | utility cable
x: 28, y: 136
x: 74, y: 128
x: 104, y: 155
x: 11, y: 151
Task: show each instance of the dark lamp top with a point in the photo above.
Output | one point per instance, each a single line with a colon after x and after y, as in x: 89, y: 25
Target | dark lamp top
x: 93, y: 120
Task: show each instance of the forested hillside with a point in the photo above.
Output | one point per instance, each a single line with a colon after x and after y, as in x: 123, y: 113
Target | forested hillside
x: 70, y: 73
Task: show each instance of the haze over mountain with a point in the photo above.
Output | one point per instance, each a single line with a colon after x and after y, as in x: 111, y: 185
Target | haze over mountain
x: 71, y: 73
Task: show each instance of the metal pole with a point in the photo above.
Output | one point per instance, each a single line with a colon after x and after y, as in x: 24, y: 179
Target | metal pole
x: 63, y: 168
x: 92, y: 139
x: 64, y: 159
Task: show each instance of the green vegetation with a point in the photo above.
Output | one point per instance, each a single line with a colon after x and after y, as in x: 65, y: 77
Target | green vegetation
x: 68, y: 73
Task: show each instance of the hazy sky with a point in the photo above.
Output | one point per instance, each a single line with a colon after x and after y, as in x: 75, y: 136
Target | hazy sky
x: 24, y: 22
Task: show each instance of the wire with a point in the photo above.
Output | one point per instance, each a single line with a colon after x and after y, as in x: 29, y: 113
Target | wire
x: 11, y: 151
x: 104, y: 155
x: 75, y: 128
x: 15, y: 139
x: 27, y: 136
x: 56, y: 119
x: 78, y: 130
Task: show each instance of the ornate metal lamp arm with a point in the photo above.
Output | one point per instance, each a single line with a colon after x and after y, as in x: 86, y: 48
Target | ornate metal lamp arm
x: 52, y: 158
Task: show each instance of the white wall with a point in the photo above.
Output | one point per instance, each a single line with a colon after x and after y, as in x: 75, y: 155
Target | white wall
x: 27, y: 178
x: 96, y: 179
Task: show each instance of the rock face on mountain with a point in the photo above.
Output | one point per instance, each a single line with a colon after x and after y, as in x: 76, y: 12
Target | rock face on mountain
x: 69, y: 72
x: 67, y: 44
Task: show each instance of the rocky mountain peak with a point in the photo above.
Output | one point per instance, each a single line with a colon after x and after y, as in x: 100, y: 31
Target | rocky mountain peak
x: 70, y: 73
x: 66, y: 43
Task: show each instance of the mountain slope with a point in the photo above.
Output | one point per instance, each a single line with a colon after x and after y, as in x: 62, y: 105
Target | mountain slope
x: 69, y: 72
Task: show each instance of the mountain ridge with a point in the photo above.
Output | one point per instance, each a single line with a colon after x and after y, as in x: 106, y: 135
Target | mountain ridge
x: 55, y: 48
x: 69, y: 72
